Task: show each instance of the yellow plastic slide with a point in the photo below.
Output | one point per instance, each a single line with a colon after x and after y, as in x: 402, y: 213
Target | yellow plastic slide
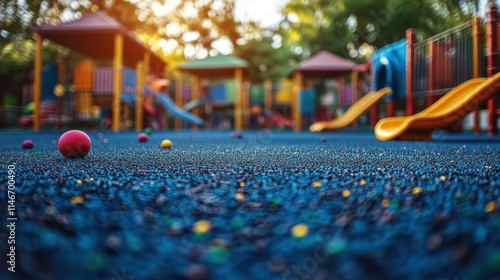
x: 356, y: 110
x: 450, y: 108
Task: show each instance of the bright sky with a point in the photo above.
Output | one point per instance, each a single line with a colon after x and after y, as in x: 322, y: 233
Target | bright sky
x: 265, y: 12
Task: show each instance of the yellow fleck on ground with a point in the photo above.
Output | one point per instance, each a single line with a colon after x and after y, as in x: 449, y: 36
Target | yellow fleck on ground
x: 202, y: 226
x: 443, y: 178
x: 362, y: 182
x: 317, y: 184
x: 300, y: 230
x: 77, y: 200
x: 240, y: 197
x: 242, y: 184
x: 91, y: 179
x: 79, y: 182
x: 386, y: 202
x: 490, y: 206
x: 346, y: 193
x: 416, y: 190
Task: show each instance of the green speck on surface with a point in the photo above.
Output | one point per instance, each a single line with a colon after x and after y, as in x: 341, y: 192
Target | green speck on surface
x: 276, y: 201
x: 336, y: 246
x: 237, y: 222
x: 460, y: 199
x: 134, y: 243
x: 394, y: 205
x: 218, y: 254
x: 94, y: 262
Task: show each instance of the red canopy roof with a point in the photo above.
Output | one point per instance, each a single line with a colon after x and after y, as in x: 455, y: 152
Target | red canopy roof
x: 93, y: 35
x: 325, y: 64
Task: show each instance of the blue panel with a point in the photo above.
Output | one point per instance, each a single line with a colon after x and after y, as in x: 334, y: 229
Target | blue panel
x: 389, y: 64
x: 217, y: 93
x: 50, y: 78
x: 307, y: 101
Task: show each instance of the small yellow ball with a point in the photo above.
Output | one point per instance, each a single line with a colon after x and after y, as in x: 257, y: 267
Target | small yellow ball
x: 202, y: 226
x: 300, y: 230
x: 166, y: 144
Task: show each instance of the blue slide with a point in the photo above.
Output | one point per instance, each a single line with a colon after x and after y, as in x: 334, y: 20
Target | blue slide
x: 169, y: 104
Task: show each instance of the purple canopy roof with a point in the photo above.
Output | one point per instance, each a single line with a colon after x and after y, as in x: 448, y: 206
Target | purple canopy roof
x: 93, y: 35
x: 325, y: 64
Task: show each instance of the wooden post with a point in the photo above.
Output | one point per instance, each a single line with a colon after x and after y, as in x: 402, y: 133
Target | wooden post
x: 178, y: 97
x: 492, y: 62
x: 195, y: 94
x: 411, y: 39
x: 298, y: 79
x: 238, y: 106
x: 117, y: 80
x: 37, y: 86
x: 268, y: 101
x: 139, y: 110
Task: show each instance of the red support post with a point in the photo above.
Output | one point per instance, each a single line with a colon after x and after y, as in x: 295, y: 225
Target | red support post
x: 430, y: 77
x: 492, y: 63
x: 411, y: 39
x: 391, y: 108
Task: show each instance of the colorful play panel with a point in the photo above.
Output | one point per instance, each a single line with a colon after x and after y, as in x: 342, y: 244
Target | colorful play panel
x: 262, y: 206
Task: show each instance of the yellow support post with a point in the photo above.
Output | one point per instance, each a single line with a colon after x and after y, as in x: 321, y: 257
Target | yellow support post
x: 117, y: 81
x: 476, y: 32
x: 147, y: 65
x: 238, y: 106
x: 298, y: 80
x: 178, y: 98
x: 37, y: 86
x: 139, y: 91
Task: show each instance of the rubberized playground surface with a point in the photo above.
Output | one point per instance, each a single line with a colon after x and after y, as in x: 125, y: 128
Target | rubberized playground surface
x: 267, y: 206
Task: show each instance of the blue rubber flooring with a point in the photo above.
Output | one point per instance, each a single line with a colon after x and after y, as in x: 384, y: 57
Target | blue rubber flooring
x: 279, y: 205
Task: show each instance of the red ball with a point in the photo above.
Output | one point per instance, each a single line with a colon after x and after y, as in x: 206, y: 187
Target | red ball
x: 74, y: 144
x: 27, y: 144
x: 142, y: 137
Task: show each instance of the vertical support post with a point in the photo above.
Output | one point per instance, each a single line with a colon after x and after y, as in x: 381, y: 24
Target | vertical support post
x: 476, y: 32
x: 139, y: 109
x: 117, y: 81
x: 165, y: 117
x: 355, y: 93
x: 298, y: 79
x: 238, y: 106
x: 411, y: 39
x: 430, y: 77
x: 37, y: 86
x: 492, y: 68
x: 268, y: 101
x: 245, y: 104
x: 178, y: 97
x: 374, y: 110
x: 195, y: 93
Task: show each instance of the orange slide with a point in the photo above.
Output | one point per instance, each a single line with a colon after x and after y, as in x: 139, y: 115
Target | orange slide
x: 356, y: 110
x: 450, y: 108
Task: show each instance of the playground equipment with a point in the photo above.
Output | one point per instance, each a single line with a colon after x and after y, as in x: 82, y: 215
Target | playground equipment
x: 354, y: 111
x: 97, y: 35
x: 389, y: 70
x: 443, y: 82
x: 447, y: 110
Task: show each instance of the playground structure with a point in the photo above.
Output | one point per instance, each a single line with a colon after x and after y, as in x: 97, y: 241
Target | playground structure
x: 322, y: 65
x: 442, y: 80
x: 99, y: 37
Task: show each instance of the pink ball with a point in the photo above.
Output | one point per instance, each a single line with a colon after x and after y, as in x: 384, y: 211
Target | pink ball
x: 142, y: 137
x: 27, y: 144
x: 74, y: 144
